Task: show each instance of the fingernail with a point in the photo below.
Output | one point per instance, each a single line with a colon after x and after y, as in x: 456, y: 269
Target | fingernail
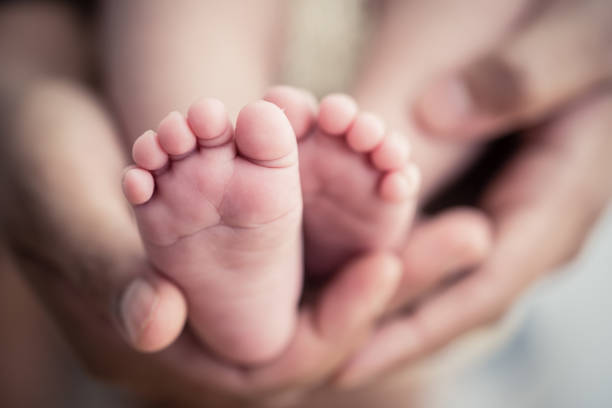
x: 445, y: 106
x: 137, y: 307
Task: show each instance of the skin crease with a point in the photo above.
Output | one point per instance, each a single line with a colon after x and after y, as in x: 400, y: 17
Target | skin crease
x: 544, y: 158
x: 235, y: 250
x: 85, y: 288
x: 558, y: 91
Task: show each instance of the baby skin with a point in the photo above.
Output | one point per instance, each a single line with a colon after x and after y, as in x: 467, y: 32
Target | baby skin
x: 220, y: 208
x: 357, y: 181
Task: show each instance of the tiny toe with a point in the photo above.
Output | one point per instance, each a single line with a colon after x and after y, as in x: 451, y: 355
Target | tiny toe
x: 336, y: 113
x: 210, y: 122
x: 392, y: 153
x: 366, y: 133
x: 138, y: 185
x: 147, y: 152
x: 175, y: 136
x: 299, y: 106
x: 264, y: 134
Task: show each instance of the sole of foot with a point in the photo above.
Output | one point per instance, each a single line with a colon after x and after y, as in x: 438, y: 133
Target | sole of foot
x: 219, y: 209
x: 358, y: 182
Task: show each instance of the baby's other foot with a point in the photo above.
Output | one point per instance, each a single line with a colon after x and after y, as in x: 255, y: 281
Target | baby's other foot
x: 220, y: 211
x: 358, y: 184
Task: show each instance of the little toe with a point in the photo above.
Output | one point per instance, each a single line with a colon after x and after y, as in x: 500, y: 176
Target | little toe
x: 392, y: 153
x: 367, y: 132
x: 138, y: 185
x: 210, y: 122
x: 147, y: 152
x: 264, y: 135
x: 299, y: 106
x: 175, y: 136
x: 336, y: 114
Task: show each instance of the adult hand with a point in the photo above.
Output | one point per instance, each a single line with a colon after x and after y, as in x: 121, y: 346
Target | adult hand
x: 551, y: 54
x: 551, y: 71
x: 67, y: 224
x: 72, y: 236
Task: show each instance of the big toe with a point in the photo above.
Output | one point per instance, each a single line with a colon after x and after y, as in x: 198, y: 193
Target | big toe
x: 299, y: 106
x: 265, y: 136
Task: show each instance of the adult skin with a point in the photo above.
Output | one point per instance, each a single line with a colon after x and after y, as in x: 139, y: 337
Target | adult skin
x: 81, y: 255
x: 548, y: 69
x: 573, y: 170
x: 71, y: 234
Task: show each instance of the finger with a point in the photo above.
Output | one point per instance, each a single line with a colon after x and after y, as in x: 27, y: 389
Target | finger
x: 327, y: 331
x: 339, y: 321
x: 152, y: 312
x: 455, y: 32
x: 76, y: 222
x: 537, y: 232
x: 439, y: 249
x: 547, y: 63
x: 474, y: 301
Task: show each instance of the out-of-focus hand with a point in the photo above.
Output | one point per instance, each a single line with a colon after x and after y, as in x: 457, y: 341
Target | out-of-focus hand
x: 71, y: 234
x: 551, y: 71
x: 552, y: 53
x: 542, y: 209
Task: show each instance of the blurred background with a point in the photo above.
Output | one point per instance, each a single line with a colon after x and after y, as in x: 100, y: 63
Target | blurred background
x: 557, y: 356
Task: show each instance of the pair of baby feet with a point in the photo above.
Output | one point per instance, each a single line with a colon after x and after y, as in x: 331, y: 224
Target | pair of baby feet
x: 226, y: 212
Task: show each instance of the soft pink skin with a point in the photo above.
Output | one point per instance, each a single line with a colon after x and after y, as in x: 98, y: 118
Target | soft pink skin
x: 220, y: 213
x: 358, y: 183
x: 192, y: 191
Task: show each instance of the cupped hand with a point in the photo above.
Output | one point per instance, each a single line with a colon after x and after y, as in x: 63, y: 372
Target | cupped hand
x: 549, y: 55
x: 73, y: 238
x: 72, y: 235
x: 550, y: 72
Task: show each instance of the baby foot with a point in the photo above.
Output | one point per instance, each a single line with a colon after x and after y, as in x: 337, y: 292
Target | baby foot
x: 219, y: 211
x: 359, y: 187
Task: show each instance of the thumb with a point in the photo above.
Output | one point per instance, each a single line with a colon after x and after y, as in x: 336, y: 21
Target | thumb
x: 63, y: 213
x: 543, y: 66
x: 151, y: 312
